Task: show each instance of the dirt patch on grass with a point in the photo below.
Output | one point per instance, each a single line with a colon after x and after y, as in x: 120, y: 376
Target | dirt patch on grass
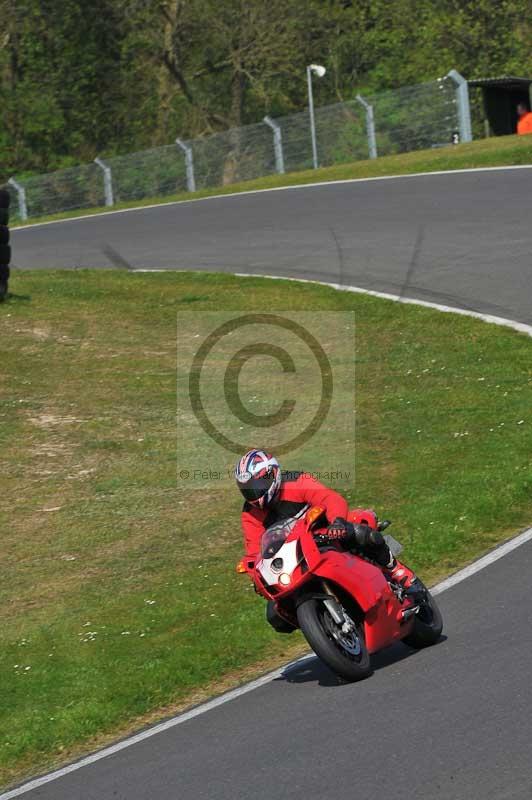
x: 40, y: 331
x: 46, y: 421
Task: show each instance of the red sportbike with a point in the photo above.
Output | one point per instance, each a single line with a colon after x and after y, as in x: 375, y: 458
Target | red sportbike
x: 343, y: 604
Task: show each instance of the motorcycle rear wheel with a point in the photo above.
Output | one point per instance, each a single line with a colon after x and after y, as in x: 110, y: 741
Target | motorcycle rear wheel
x: 345, y: 653
x: 428, y: 624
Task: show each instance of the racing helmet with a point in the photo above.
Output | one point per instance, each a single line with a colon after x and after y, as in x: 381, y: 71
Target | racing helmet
x: 258, y: 476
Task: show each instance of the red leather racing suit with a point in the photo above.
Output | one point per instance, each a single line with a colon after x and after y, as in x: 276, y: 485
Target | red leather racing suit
x: 298, y: 489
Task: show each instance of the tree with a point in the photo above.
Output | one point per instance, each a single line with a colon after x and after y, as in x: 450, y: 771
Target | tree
x: 79, y: 79
x: 59, y: 80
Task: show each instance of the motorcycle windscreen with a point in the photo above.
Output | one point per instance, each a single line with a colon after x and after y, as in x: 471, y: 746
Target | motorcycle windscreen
x: 275, y: 536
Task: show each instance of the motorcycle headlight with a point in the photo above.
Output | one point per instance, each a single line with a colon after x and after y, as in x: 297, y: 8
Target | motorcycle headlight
x: 277, y: 564
x: 284, y: 579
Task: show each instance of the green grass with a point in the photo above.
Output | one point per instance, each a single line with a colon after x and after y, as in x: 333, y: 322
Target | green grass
x: 118, y: 588
x: 498, y: 151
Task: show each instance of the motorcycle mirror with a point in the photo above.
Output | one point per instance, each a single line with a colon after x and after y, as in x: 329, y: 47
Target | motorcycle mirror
x: 383, y: 525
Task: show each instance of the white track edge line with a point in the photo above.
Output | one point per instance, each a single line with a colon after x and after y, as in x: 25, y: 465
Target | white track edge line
x: 521, y: 327
x: 494, y: 555
x: 447, y: 583
x: 271, y: 189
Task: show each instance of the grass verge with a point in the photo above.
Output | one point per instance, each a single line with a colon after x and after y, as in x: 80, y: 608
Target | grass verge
x: 495, y: 152
x: 118, y: 597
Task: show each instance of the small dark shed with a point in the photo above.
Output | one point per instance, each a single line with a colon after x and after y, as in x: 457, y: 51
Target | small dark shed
x: 500, y: 99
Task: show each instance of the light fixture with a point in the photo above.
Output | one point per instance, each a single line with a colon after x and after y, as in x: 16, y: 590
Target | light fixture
x: 319, y: 71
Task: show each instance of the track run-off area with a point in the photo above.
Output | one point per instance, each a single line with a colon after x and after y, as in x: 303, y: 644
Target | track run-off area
x: 448, y: 722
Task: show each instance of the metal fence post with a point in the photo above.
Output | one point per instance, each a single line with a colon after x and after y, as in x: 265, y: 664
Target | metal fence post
x: 312, y: 120
x: 462, y: 100
x: 370, y: 127
x: 21, y: 195
x: 189, y: 163
x: 107, y: 182
x: 277, y: 144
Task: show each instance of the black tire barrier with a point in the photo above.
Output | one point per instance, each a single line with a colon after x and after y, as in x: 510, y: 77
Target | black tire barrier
x: 5, y: 254
x: 5, y: 198
x: 4, y: 281
x: 5, y: 249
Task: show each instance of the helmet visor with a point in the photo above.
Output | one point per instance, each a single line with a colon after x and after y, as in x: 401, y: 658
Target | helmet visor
x: 256, y: 488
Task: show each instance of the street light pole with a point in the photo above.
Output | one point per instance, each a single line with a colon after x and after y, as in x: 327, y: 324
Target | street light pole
x: 318, y: 70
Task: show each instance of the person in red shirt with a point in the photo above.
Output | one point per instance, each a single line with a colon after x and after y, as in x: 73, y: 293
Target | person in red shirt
x: 524, y: 123
x: 271, y: 496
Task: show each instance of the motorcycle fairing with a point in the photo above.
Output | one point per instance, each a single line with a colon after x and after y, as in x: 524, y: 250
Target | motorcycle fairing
x: 368, y: 586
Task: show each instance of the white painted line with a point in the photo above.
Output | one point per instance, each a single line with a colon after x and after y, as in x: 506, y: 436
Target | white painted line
x: 483, y: 562
x: 521, y: 327
x: 272, y: 189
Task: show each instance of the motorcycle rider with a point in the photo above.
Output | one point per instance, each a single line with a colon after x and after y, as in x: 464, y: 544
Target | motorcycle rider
x: 271, y: 496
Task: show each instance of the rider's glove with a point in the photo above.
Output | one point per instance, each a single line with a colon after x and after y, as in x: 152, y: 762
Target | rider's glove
x: 339, y: 529
x: 362, y: 534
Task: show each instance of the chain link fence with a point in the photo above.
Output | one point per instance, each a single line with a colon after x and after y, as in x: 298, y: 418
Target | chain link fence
x: 428, y: 115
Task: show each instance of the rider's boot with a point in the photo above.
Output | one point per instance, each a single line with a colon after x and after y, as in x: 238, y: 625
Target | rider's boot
x: 399, y: 573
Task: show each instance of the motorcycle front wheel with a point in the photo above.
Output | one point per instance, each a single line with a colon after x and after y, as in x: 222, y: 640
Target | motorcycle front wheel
x: 342, y: 648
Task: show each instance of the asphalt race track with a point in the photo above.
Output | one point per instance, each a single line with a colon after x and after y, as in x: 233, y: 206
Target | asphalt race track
x: 458, y: 239
x: 446, y: 723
